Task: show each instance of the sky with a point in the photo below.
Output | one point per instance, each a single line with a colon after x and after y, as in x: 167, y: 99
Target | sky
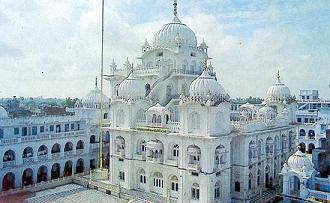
x: 51, y: 48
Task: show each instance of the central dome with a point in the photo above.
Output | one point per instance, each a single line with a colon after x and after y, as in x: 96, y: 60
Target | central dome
x: 173, y: 33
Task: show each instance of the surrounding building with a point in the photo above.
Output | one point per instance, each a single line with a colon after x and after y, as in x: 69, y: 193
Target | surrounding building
x: 171, y: 133
x: 40, y: 148
x: 308, y: 177
x: 312, y: 114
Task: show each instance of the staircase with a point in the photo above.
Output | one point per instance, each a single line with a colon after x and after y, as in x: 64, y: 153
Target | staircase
x: 159, y: 80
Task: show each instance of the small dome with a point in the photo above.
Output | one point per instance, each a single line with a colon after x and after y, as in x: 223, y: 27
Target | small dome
x: 278, y: 91
x: 93, y: 99
x: 158, y: 109
x: 248, y: 106
x: 267, y: 111
x: 3, y: 113
x: 299, y: 162
x: 168, y: 35
x: 205, y: 85
x: 131, y: 88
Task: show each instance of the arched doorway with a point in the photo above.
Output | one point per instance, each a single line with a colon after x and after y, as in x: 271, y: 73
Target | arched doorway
x: 68, y: 147
x: 294, y: 185
x: 80, y: 166
x: 55, y: 172
x: 107, y: 160
x: 147, y: 86
x: 68, y: 168
x: 8, y: 181
x: 27, y: 177
x: 92, y: 164
x: 311, y: 147
x: 302, y: 147
x: 42, y: 174
x: 80, y: 144
x: 27, y: 153
x: 92, y: 139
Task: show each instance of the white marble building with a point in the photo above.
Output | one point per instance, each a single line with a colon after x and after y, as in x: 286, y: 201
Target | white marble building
x: 41, y: 148
x: 171, y: 129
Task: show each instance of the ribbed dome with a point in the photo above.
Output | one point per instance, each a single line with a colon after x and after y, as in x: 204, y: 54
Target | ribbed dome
x: 131, y: 88
x: 172, y: 33
x: 278, y: 91
x: 93, y: 99
x: 299, y: 162
x: 204, y: 85
x: 3, y: 113
x: 266, y: 110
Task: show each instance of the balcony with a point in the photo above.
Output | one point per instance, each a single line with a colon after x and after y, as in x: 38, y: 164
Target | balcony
x: 79, y: 151
x: 42, y: 157
x: 68, y: 154
x: 172, y: 162
x: 28, y: 160
x: 141, y: 157
x: 194, y: 166
x: 56, y: 155
x: 155, y: 159
x: 7, y: 164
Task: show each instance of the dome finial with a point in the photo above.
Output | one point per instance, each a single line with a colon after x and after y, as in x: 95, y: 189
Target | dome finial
x: 175, y: 5
x: 96, y: 81
x: 278, y: 75
x: 205, y: 65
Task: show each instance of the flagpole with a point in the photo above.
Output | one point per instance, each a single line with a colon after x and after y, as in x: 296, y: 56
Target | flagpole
x: 101, y: 95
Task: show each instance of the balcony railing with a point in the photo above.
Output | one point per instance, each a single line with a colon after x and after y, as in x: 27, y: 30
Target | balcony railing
x: 154, y: 159
x: 7, y: 164
x: 193, y: 166
x: 79, y: 151
x: 56, y: 155
x: 68, y: 154
x: 41, y: 137
x: 42, y: 157
x: 28, y: 160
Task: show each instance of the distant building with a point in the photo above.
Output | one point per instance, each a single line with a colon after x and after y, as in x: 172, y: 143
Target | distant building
x: 303, y: 180
x: 40, y: 148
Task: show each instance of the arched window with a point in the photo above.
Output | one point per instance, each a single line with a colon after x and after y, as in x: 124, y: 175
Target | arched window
x: 92, y: 139
x: 120, y: 118
x: 217, y: 190
x: 120, y: 146
x: 269, y: 146
x: 154, y: 118
x: 174, y: 184
x: 302, y: 132
x: 237, y: 186
x: 9, y: 156
x: 80, y: 144
x: 147, y: 86
x: 140, y: 116
x: 260, y: 147
x: 311, y: 134
x: 56, y: 148
x: 259, y: 177
x: 159, y: 119
x: 158, y: 180
x: 27, y: 153
x: 252, y: 150
x: 220, y: 156
x: 250, y: 181
x: 105, y: 116
x: 141, y: 146
x: 194, y: 154
x: 175, y: 151
x: 68, y: 147
x: 142, y: 176
x: 195, y: 191
x: 194, y: 122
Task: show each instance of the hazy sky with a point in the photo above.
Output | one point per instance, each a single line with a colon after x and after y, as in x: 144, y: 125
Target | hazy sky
x: 51, y: 48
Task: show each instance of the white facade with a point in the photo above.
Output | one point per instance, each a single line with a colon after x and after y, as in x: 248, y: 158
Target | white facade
x: 171, y: 129
x: 41, y: 148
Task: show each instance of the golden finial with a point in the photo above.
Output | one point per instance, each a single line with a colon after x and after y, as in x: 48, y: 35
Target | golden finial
x: 175, y: 5
x: 205, y: 65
